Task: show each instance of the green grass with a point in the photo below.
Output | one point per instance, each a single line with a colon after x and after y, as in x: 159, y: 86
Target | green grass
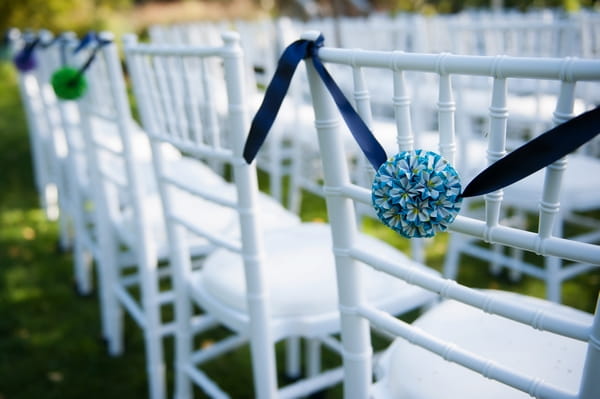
x: 49, y: 337
x: 50, y: 344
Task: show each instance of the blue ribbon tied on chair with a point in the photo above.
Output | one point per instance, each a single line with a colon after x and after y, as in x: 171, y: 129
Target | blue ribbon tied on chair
x: 416, y: 193
x: 25, y: 59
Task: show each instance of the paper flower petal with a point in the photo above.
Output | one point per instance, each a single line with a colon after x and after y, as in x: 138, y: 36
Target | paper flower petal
x: 416, y: 193
x: 68, y: 83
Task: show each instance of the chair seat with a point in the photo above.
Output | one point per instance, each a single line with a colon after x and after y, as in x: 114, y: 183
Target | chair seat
x: 421, y: 374
x: 300, y: 260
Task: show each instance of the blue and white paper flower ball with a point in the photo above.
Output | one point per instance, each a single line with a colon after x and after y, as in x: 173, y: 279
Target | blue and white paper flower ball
x: 416, y: 193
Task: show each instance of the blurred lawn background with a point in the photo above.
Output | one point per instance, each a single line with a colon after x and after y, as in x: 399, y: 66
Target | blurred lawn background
x: 49, y: 337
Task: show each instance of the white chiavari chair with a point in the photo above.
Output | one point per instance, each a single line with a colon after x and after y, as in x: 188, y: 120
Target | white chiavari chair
x: 33, y: 106
x: 67, y: 166
x: 265, y: 284
x: 475, y: 343
x: 48, y: 142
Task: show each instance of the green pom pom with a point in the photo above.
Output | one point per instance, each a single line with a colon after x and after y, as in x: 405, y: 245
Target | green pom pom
x: 68, y: 83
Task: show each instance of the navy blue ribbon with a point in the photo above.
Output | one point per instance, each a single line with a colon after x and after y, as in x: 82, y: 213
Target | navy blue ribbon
x: 522, y: 162
x: 536, y: 154
x: 31, y: 44
x: 278, y: 87
x: 86, y: 41
x: 24, y: 59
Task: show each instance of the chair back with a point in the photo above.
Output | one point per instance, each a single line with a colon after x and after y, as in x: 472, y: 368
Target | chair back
x: 342, y: 194
x: 40, y: 135
x: 177, y: 89
x: 61, y: 121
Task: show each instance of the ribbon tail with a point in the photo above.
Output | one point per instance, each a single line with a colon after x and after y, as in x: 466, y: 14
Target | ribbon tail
x: 536, y: 154
x: 360, y: 131
x: 274, y: 95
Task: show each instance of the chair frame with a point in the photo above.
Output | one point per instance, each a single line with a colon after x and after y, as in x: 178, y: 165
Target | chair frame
x: 250, y: 247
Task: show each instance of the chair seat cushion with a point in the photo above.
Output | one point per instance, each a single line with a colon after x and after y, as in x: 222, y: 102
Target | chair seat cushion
x: 300, y: 273
x: 411, y: 372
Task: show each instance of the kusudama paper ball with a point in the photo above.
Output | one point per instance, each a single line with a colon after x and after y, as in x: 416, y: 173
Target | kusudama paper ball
x: 68, y: 83
x: 416, y: 193
x: 25, y: 61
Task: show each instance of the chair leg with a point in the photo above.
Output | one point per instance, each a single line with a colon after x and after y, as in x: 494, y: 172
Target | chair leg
x: 155, y: 363
x: 50, y: 201
x: 275, y: 170
x: 151, y: 307
x: 417, y: 250
x: 357, y: 370
x: 103, y: 288
x: 515, y: 274
x: 292, y: 358
x: 83, y: 265
x: 184, y: 311
x: 495, y: 264
x: 149, y: 285
x: 81, y: 257
x: 114, y: 327
x: 265, y: 382
x: 313, y: 357
x: 183, y: 345
x: 294, y: 191
x: 262, y: 349
x: 553, y: 280
x: 450, y: 269
x: 65, y: 217
x: 553, y: 266
x: 64, y: 233
x: 110, y: 308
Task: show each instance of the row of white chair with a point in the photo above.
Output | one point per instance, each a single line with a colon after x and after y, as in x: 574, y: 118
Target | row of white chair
x: 268, y: 283
x: 145, y: 186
